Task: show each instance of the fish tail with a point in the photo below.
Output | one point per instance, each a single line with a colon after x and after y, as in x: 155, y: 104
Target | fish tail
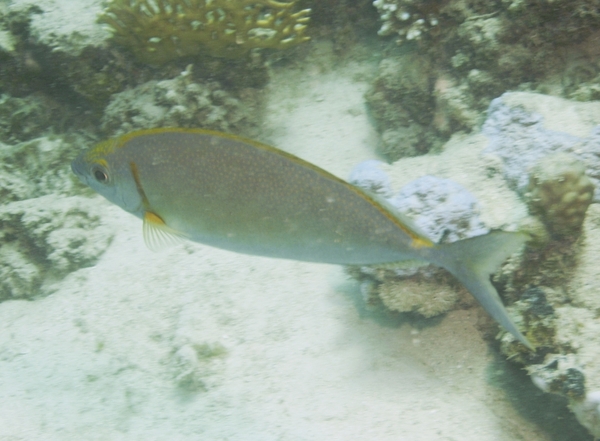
x: 472, y: 261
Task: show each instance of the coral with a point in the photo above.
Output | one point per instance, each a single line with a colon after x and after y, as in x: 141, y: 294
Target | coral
x: 402, y: 105
x: 158, y: 31
x: 518, y: 128
x: 483, y: 49
x: 22, y: 119
x: 560, y: 193
x: 369, y: 176
x: 441, y: 208
x: 45, y: 238
x: 36, y: 168
x: 180, y: 102
x: 426, y: 296
x: 408, y: 19
x: 558, y: 313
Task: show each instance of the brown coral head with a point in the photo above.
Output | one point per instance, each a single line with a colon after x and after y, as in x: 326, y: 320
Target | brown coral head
x: 560, y: 193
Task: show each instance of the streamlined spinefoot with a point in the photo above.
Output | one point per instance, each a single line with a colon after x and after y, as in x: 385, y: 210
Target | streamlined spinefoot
x: 233, y: 193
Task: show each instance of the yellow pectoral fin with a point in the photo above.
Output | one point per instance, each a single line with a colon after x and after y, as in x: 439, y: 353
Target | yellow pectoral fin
x: 157, y: 235
x: 421, y: 242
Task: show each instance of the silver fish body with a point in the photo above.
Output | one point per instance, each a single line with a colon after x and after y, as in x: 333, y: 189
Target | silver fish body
x: 244, y: 196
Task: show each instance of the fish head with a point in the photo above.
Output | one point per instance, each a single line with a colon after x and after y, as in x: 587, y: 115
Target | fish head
x: 99, y: 169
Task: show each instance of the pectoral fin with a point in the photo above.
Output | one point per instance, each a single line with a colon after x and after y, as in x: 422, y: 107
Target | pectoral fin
x: 157, y: 235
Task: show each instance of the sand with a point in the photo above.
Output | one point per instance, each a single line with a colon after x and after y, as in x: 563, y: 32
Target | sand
x: 196, y: 343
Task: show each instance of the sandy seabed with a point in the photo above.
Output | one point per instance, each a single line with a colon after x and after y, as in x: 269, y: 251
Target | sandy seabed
x: 196, y: 343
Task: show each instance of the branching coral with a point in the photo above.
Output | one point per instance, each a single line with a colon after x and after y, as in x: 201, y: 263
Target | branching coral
x: 408, y: 19
x: 158, y: 31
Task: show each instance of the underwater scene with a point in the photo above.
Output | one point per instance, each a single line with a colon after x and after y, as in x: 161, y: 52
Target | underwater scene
x: 303, y: 220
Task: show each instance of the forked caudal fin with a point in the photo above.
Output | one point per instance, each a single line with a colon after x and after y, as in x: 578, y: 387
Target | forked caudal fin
x: 472, y: 261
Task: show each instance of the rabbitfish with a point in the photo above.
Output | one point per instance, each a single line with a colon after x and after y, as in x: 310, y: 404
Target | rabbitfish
x: 244, y: 196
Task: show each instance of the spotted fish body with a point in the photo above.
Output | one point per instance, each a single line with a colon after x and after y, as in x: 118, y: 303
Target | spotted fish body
x: 244, y: 196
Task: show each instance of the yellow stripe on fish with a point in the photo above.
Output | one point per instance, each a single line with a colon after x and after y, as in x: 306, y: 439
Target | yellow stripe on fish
x: 245, y: 196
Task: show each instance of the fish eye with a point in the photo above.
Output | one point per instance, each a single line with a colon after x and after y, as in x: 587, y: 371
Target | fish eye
x: 100, y: 174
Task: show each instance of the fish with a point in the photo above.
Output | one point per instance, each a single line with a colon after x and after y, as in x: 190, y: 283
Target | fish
x: 241, y: 195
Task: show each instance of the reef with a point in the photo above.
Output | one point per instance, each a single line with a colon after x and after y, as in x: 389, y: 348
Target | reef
x: 523, y: 128
x: 45, y: 231
x: 441, y: 209
x: 36, y: 168
x: 557, y: 311
x: 472, y: 52
x: 560, y: 193
x: 55, y: 69
x: 62, y: 26
x: 22, y: 119
x: 182, y: 102
x: 555, y: 282
x: 43, y: 239
x: 538, y: 156
x: 162, y: 30
x: 66, y: 79
x: 402, y: 104
x: 409, y: 20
